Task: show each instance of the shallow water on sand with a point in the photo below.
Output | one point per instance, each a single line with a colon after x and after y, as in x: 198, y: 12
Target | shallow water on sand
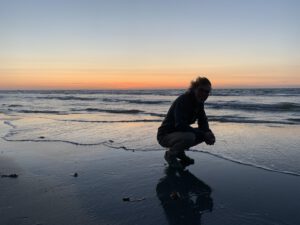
x: 257, y: 127
x: 274, y: 148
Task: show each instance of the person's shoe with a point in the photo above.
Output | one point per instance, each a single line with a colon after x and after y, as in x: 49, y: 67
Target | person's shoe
x: 185, y: 160
x: 172, y: 161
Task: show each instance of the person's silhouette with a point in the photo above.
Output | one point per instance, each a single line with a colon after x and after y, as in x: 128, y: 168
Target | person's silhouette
x: 176, y: 133
x: 183, y: 197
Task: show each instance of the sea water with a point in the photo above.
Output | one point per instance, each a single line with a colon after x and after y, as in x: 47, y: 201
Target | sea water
x: 255, y: 127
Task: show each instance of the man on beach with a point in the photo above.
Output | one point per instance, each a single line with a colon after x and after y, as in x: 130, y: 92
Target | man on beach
x: 175, y: 132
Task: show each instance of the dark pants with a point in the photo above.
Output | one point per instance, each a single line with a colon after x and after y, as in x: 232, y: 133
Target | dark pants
x: 178, y: 141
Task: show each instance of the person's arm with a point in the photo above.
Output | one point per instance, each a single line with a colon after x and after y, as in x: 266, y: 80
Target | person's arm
x: 203, y: 121
x: 209, y: 136
x: 180, y: 115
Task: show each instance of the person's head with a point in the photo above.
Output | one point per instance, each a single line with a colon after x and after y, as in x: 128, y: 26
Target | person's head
x: 201, y: 87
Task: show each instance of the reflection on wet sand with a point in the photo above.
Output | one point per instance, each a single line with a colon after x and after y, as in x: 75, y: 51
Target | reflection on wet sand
x: 183, y: 197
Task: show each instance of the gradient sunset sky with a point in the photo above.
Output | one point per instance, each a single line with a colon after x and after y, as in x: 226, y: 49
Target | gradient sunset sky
x: 148, y: 43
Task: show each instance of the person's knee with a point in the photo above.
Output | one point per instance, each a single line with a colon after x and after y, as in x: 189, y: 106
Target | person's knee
x: 189, y: 138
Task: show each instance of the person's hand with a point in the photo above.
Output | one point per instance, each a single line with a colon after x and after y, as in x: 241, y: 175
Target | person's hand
x: 209, y: 138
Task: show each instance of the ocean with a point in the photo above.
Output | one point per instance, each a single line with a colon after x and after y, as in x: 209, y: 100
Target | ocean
x: 255, y: 127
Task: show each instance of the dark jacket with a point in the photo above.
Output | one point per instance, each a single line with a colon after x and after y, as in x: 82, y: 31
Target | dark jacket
x: 185, y: 110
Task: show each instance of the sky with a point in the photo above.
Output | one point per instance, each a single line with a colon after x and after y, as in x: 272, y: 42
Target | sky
x: 89, y: 44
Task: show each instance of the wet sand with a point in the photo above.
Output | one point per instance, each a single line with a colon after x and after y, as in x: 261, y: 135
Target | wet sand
x: 213, y: 191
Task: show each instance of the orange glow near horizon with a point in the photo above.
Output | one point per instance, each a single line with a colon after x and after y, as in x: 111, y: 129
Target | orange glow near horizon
x: 136, y: 79
x: 221, y: 77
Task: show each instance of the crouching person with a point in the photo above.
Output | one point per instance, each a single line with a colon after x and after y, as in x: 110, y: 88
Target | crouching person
x: 175, y: 132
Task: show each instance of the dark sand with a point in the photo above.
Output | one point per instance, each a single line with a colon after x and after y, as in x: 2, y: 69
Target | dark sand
x: 213, y: 191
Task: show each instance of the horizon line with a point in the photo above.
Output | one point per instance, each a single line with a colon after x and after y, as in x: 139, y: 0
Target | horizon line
x: 111, y: 89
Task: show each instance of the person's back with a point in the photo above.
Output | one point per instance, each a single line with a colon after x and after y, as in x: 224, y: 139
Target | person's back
x: 175, y: 131
x: 183, y: 112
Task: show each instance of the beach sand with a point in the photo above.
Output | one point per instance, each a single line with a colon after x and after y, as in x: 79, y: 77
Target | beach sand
x: 213, y: 191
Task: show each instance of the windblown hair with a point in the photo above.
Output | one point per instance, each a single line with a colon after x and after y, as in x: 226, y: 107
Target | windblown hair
x: 199, y: 82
